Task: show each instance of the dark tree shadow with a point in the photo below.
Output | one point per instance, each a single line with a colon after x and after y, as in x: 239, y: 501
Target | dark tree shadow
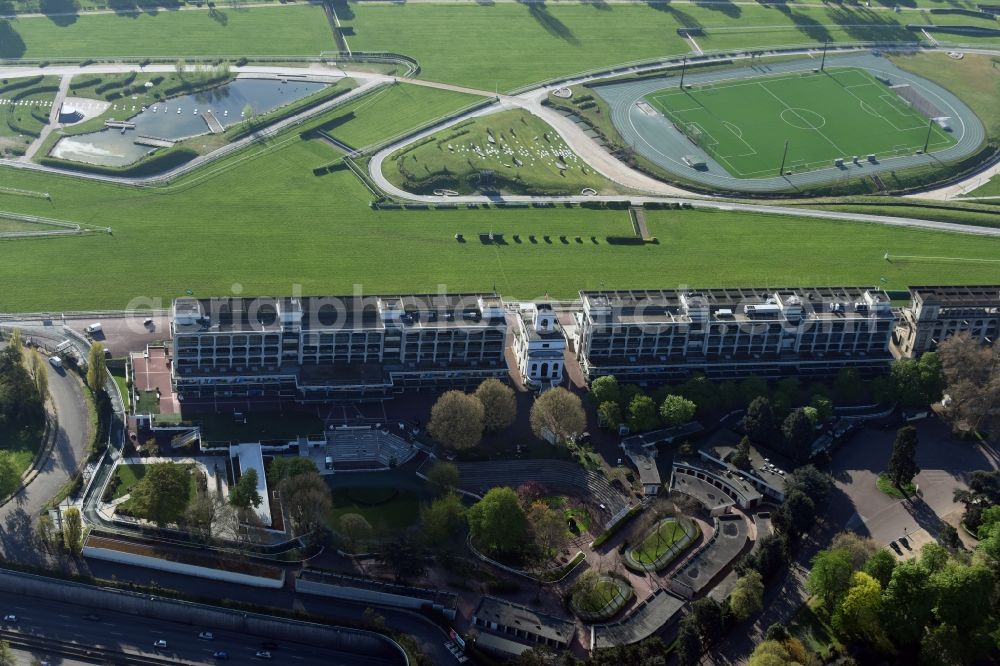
x: 551, y: 24
x: 343, y: 9
x: 217, y: 16
x: 60, y: 12
x: 868, y: 26
x: 728, y: 8
x: 598, y: 4
x: 683, y: 18
x: 11, y: 44
x: 811, y: 28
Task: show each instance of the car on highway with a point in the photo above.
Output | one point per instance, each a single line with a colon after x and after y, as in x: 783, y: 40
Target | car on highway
x: 220, y: 655
x: 263, y: 654
x: 160, y: 644
x: 10, y: 619
x: 206, y: 636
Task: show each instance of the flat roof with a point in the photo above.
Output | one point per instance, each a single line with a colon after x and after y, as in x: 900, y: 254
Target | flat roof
x: 499, y: 611
x: 964, y: 295
x: 252, y: 457
x: 500, y: 644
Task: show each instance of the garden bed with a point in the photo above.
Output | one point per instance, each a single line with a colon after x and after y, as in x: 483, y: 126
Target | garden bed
x: 661, y: 546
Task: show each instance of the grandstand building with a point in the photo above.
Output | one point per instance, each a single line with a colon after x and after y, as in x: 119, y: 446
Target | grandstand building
x: 731, y: 333
x: 241, y: 352
x: 538, y: 345
x: 936, y: 313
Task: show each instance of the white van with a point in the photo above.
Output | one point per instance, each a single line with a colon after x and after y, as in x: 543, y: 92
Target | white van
x: 55, y: 361
x: 93, y: 328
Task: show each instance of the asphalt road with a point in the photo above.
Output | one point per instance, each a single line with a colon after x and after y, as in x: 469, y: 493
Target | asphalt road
x: 135, y: 635
x: 18, y: 515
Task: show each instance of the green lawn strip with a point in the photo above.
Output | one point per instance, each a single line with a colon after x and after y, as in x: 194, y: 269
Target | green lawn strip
x: 22, y: 443
x: 123, y: 389
x: 957, y: 214
x: 387, y: 512
x: 8, y: 225
x: 990, y: 188
x: 278, y: 214
x: 299, y: 30
x: 388, y: 112
x: 885, y: 484
x: 147, y: 403
x: 975, y: 79
x: 524, y: 153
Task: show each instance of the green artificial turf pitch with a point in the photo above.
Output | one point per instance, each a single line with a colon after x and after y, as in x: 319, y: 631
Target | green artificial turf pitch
x: 838, y: 113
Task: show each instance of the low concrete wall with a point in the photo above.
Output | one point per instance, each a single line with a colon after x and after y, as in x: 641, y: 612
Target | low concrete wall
x: 199, y: 615
x: 181, y: 568
x: 368, y: 596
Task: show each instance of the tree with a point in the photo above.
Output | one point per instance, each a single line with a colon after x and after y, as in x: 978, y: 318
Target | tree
x: 161, y: 495
x: 787, y: 652
x: 766, y: 558
x: 45, y: 532
x: 306, y: 498
x: 964, y: 595
x: 499, y: 404
x: 708, y: 616
x: 758, y: 422
x: 180, y: 67
x: 457, y: 420
x: 903, y: 461
x: 548, y: 527
x: 830, y: 576
x: 610, y: 414
x: 860, y: 548
x: 908, y: 603
x: 442, y: 519
x: 688, y: 647
x: 751, y: 388
x: 442, y: 477
x: 355, y: 529
x: 858, y: 613
x: 404, y: 557
x: 847, y: 386
x: 244, y: 494
x: 972, y: 381
x: 285, y: 467
x: 983, y: 492
x: 497, y: 521
x: 72, y: 530
x: 558, y: 413
x: 747, y: 596
x: 812, y: 483
x: 96, y: 367
x: 642, y: 414
x: 799, y: 434
x: 41, y: 376
x: 796, y: 514
x: 10, y: 476
x: 7, y: 655
x: 741, y: 455
x: 917, y: 382
x: 201, y: 514
x: 677, y: 410
x: 605, y: 389
x: 880, y: 567
x: 823, y: 407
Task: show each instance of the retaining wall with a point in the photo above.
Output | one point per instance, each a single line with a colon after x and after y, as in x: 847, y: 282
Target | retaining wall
x: 368, y: 596
x: 180, y: 568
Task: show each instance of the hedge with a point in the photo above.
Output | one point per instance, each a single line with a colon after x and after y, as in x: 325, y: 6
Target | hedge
x: 21, y: 83
x: 611, y: 531
x: 157, y: 163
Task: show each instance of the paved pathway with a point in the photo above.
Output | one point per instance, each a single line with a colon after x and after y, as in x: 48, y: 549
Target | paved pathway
x: 53, y: 118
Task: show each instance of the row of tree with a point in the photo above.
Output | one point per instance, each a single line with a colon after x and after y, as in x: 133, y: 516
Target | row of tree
x: 939, y: 609
x: 23, y: 391
x: 459, y: 420
x: 628, y: 404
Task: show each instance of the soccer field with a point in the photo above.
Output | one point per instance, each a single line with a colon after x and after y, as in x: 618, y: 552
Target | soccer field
x: 824, y: 116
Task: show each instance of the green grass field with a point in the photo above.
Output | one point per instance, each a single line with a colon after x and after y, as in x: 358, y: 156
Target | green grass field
x: 524, y: 153
x: 386, y: 509
x: 658, y: 541
x: 22, y: 444
x: 839, y: 113
x: 388, y: 112
x: 990, y: 188
x: 224, y: 31
x: 24, y: 111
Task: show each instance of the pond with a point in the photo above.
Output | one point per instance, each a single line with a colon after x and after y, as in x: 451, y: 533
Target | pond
x: 180, y: 118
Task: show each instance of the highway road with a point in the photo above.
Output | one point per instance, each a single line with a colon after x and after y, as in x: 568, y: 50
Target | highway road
x: 134, y: 636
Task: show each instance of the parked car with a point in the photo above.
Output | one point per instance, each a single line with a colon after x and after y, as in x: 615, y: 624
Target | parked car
x: 10, y: 619
x: 94, y: 328
x: 221, y: 655
x: 263, y: 654
x: 55, y: 362
x: 160, y: 644
x: 206, y: 636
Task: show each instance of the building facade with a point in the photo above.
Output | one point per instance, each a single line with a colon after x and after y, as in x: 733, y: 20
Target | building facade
x: 538, y: 345
x: 321, y: 349
x: 936, y: 313
x: 732, y: 333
